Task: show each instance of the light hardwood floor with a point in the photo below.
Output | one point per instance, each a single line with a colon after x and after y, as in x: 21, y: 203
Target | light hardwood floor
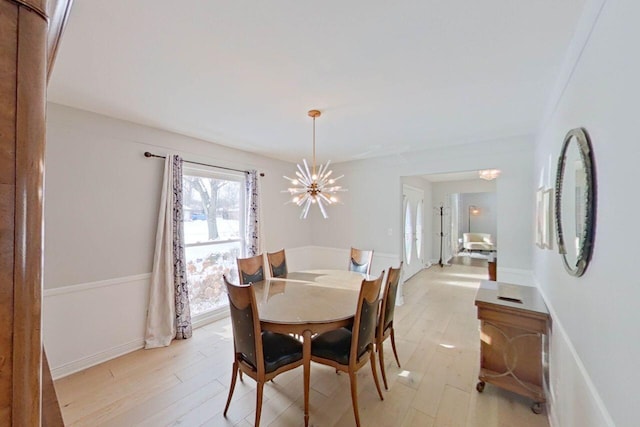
x: 187, y: 383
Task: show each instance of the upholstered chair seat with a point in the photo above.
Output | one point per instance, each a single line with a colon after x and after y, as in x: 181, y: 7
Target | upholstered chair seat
x: 334, y: 345
x: 279, y: 350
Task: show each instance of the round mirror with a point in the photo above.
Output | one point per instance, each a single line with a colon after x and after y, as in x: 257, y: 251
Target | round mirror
x: 575, y: 202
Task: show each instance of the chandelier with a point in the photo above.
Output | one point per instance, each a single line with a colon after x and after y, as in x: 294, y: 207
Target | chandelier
x: 311, y: 186
x: 489, y: 174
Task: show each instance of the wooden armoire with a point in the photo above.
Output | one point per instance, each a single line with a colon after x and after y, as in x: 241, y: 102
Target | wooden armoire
x: 30, y: 32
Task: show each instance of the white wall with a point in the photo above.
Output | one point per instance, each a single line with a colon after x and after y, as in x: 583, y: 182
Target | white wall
x: 485, y: 221
x: 373, y: 203
x: 595, y: 345
x: 102, y: 195
x: 101, y: 202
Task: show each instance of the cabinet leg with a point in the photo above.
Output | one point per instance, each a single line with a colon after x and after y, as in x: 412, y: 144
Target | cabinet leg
x: 480, y: 387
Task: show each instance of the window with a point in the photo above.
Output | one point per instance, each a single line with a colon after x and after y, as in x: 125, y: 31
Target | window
x: 214, y: 218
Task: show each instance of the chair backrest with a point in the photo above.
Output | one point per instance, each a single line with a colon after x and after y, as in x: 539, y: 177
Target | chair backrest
x: 360, y: 261
x: 277, y: 263
x: 389, y: 298
x: 366, y: 318
x: 247, y: 338
x: 251, y: 269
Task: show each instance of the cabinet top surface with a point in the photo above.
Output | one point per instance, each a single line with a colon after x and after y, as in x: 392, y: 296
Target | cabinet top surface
x: 531, y: 299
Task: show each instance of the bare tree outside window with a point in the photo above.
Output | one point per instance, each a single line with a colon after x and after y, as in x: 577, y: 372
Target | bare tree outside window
x: 212, y: 229
x: 207, y: 189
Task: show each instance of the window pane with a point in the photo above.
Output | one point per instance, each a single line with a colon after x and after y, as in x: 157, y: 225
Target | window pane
x: 205, y: 267
x: 211, y: 209
x: 213, y: 214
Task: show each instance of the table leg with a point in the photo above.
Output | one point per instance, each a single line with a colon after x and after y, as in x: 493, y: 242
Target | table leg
x: 306, y: 358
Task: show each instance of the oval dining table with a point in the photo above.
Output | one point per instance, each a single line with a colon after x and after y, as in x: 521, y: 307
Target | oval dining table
x: 306, y: 303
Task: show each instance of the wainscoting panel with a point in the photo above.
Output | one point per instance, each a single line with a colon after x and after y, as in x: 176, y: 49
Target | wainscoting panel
x: 573, y: 399
x: 87, y: 324
x: 90, y: 323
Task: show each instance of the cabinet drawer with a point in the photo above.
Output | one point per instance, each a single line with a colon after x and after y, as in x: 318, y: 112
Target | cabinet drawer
x: 519, y: 320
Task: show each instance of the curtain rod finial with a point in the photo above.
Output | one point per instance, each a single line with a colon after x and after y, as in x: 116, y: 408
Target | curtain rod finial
x: 148, y: 154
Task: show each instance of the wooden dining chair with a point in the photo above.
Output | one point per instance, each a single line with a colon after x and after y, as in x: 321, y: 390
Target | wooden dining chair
x: 251, y: 269
x: 385, y: 322
x: 360, y: 261
x: 277, y: 263
x: 262, y: 355
x: 349, y: 350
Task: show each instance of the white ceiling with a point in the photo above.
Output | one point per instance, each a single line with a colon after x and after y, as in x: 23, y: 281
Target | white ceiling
x: 388, y: 76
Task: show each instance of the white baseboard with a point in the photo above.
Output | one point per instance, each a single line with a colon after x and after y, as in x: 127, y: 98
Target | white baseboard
x: 209, y: 318
x: 95, y: 359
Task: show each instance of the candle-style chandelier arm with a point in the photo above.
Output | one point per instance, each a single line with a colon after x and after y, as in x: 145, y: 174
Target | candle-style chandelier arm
x: 322, y: 208
x: 305, y: 210
x: 306, y: 168
x: 325, y: 198
x: 323, y: 169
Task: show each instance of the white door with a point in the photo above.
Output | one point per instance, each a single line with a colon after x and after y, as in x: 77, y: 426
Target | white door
x: 413, y: 224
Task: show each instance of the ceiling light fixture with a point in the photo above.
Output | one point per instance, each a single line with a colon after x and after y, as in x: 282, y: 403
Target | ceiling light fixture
x: 310, y: 187
x: 489, y: 174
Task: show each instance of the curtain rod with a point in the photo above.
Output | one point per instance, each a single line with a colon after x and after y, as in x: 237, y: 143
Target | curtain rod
x: 148, y: 154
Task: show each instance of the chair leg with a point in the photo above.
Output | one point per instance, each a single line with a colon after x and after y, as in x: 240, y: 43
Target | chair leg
x: 372, y: 361
x: 234, y: 374
x: 259, y: 388
x: 354, y: 396
x: 380, y: 350
x: 393, y: 345
x: 242, y: 380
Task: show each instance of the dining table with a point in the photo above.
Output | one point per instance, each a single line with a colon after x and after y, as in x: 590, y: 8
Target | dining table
x: 306, y: 303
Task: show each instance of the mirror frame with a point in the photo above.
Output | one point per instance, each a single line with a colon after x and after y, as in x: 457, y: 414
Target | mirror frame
x: 588, y: 232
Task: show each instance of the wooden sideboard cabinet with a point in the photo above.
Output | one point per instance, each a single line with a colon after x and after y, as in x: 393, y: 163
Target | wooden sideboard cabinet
x: 513, y: 340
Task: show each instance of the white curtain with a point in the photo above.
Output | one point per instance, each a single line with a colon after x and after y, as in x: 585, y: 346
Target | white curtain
x: 168, y: 316
x: 252, y: 226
